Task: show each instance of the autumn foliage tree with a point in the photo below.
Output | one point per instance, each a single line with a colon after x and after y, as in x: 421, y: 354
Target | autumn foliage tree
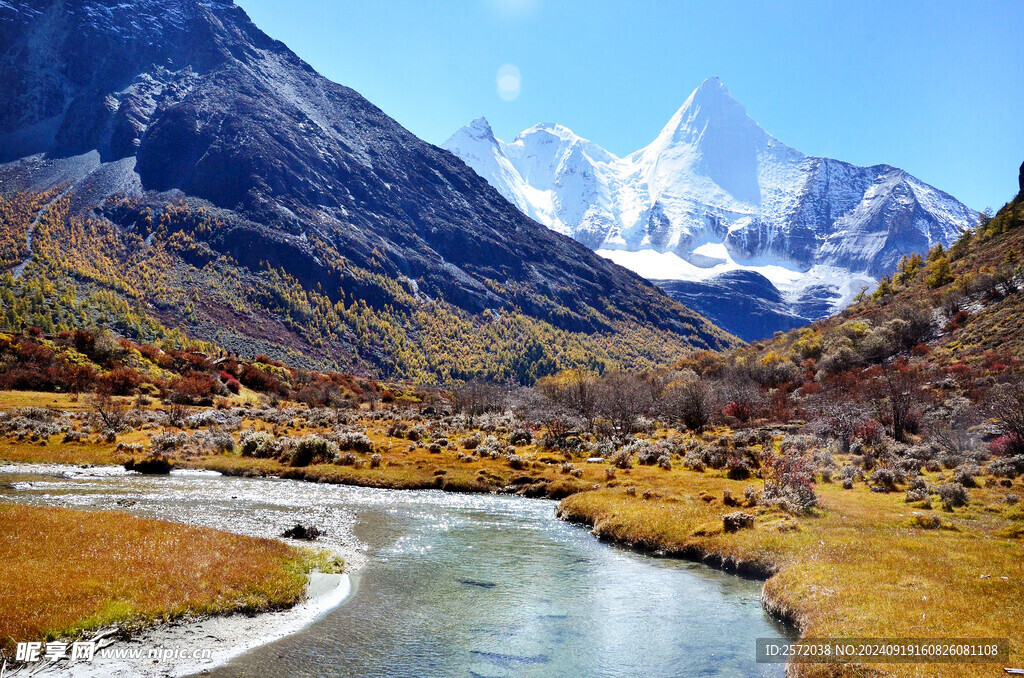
x: 1007, y: 407
x: 691, y: 403
x: 895, y: 390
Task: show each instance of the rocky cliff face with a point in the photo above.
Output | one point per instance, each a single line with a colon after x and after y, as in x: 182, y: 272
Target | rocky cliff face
x: 718, y: 193
x: 744, y: 301
x: 162, y: 99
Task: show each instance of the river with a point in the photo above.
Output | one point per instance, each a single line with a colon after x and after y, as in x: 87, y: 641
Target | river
x: 452, y: 584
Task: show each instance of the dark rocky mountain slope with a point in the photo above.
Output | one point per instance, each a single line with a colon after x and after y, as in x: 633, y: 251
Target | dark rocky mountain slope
x: 131, y: 106
x: 744, y: 301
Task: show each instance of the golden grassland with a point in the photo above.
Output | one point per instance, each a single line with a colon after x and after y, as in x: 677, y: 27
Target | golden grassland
x: 64, y: 571
x: 91, y: 453
x: 61, y: 401
x: 861, y: 564
x: 417, y: 469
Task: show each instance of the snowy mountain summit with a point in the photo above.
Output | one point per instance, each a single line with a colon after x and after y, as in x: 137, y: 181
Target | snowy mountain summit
x: 714, y: 193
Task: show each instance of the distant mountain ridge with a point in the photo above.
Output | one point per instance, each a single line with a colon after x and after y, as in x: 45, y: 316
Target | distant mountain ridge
x: 133, y: 105
x: 714, y: 193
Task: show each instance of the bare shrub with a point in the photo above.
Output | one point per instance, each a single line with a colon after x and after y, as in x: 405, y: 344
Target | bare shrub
x: 952, y: 495
x: 397, y: 429
x: 965, y: 475
x: 354, y: 441
x: 915, y: 495
x: 478, y: 397
x: 838, y: 419
x: 520, y: 437
x: 259, y: 444
x: 110, y: 414
x: 1007, y: 467
x: 951, y: 423
x: 311, y: 449
x: 788, y: 481
x: 215, y: 440
x: 646, y: 453
x: 163, y: 443
x: 622, y: 459
x: 886, y: 477
x: 751, y: 495
x: 733, y: 522
x: 849, y: 474
x: 691, y: 404
x: 220, y: 418
x: 896, y: 390
x: 1007, y: 406
x: 737, y: 468
x: 623, y: 398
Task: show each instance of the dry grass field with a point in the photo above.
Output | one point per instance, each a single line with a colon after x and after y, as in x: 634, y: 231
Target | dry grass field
x: 66, y: 571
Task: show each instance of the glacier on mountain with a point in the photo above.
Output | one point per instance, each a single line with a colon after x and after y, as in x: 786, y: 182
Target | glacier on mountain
x: 715, y: 193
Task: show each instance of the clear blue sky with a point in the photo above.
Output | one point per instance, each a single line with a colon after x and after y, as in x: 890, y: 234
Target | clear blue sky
x: 935, y: 87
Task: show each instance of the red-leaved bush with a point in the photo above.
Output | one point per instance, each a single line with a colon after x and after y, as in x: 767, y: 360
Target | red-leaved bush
x: 120, y: 381
x: 258, y: 380
x: 194, y: 386
x: 869, y: 432
x: 958, y: 320
x: 1007, y: 445
x: 789, y: 480
x: 740, y: 411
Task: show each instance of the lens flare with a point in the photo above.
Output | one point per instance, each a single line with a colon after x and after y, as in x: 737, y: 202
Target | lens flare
x: 509, y: 82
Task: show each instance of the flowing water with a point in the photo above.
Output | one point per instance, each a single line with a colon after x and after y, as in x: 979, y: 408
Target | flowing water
x: 453, y: 585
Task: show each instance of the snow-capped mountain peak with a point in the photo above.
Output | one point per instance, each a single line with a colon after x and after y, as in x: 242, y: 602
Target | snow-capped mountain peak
x: 715, y: 192
x: 536, y: 168
x: 480, y: 128
x: 710, y: 136
x: 710, y: 107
